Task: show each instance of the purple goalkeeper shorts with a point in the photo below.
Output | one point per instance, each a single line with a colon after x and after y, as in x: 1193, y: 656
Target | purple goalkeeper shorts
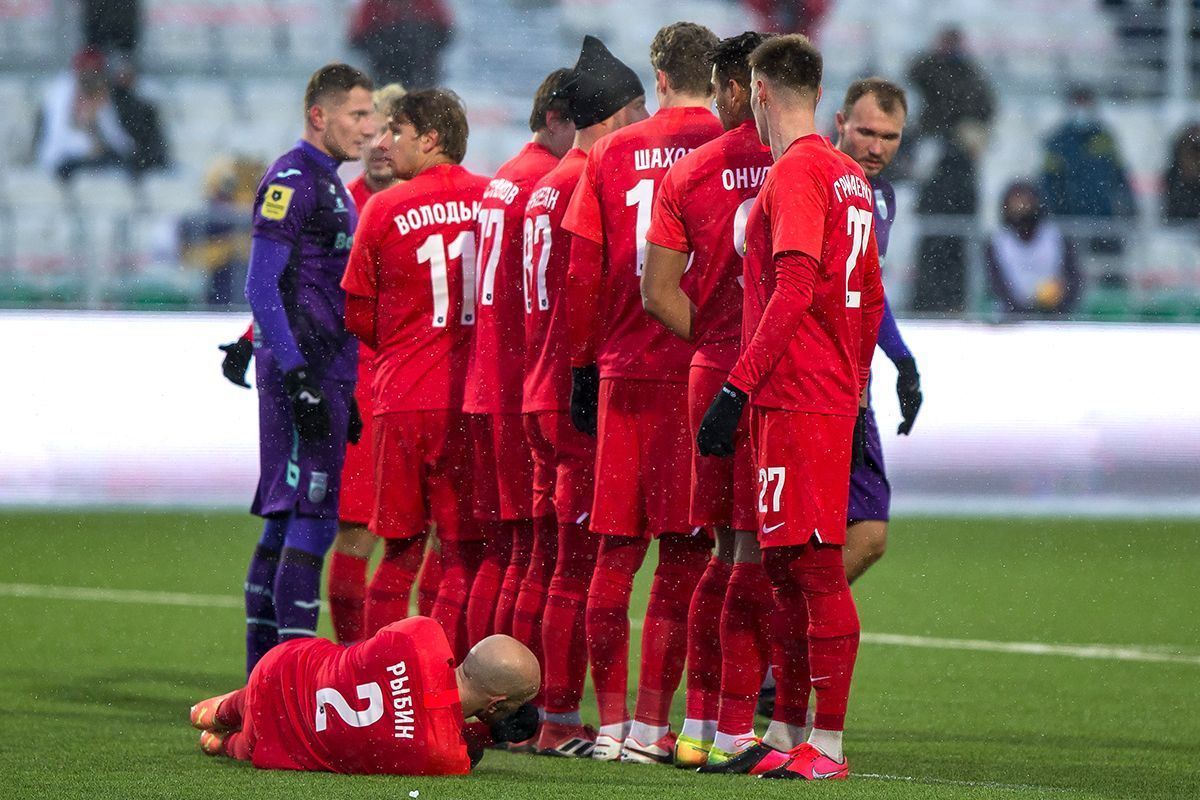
x: 294, y: 475
x: 870, y: 492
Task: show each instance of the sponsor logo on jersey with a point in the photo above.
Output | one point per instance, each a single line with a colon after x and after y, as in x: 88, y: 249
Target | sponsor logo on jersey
x: 287, y: 173
x: 276, y: 200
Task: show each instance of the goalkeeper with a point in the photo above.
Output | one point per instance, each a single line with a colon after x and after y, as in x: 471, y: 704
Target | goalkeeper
x: 394, y: 704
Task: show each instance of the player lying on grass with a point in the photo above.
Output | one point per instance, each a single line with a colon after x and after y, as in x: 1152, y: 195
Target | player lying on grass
x: 394, y: 704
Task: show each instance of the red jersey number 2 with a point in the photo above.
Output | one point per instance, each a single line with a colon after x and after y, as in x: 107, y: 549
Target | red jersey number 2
x: 435, y: 253
x: 355, y: 719
x: 858, y: 225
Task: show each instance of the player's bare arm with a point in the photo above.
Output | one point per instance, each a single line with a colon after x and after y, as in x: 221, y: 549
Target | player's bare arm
x: 662, y: 296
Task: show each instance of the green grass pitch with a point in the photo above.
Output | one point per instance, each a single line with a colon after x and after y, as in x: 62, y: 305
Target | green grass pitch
x: 95, y: 692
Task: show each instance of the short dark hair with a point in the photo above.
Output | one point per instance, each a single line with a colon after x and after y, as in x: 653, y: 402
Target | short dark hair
x: 549, y: 98
x: 679, y: 51
x: 731, y: 56
x: 888, y: 95
x: 334, y: 78
x: 791, y: 61
x: 438, y: 110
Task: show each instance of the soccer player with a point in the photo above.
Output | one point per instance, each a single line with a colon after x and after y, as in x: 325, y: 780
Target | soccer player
x: 410, y: 284
x: 394, y: 704
x: 813, y: 301
x: 700, y: 218
x: 304, y: 222
x: 629, y: 385
x: 870, y: 125
x: 503, y: 466
x: 603, y: 95
x: 352, y: 547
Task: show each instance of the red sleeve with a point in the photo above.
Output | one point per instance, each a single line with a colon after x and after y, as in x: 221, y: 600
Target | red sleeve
x: 872, y: 312
x: 583, y: 213
x: 795, y: 274
x: 249, y: 334
x: 362, y: 319
x: 584, y: 276
x: 666, y: 225
x: 362, y: 268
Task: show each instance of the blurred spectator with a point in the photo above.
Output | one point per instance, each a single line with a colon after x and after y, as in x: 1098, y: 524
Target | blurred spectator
x: 78, y: 125
x: 1181, y: 195
x: 217, y: 239
x: 1031, y: 265
x: 112, y: 25
x: 1083, y: 176
x: 402, y: 40
x: 788, y: 16
x: 953, y: 88
x: 139, y: 117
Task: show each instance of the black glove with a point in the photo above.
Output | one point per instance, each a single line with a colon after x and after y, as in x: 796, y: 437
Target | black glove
x: 354, y: 434
x: 237, y: 361
x: 585, y: 398
x: 308, y: 404
x: 715, y: 437
x: 518, y: 726
x: 908, y: 389
x: 858, y: 444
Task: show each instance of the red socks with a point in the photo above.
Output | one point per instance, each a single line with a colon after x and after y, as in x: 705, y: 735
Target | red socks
x: 809, y: 582
x: 681, y: 563
x: 387, y: 596
x: 346, y: 587
x: 427, y: 584
x: 607, y: 618
x: 481, y: 607
x: 704, y: 641
x: 460, y: 562
x: 521, y: 532
x: 744, y: 647
x: 531, y: 600
x: 565, y: 646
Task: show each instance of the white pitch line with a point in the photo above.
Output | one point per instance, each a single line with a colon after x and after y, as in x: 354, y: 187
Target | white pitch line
x: 1103, y: 652
x: 1159, y: 654
x: 135, y: 596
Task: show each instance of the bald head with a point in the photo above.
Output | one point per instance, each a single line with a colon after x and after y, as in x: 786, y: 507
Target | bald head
x: 497, y: 676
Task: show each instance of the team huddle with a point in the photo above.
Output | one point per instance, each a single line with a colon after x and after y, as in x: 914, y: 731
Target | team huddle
x: 643, y: 327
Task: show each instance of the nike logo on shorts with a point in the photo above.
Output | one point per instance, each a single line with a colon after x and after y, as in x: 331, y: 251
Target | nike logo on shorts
x: 773, y: 527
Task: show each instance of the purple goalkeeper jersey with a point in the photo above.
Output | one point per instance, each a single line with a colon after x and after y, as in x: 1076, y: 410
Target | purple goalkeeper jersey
x: 302, y: 204
x: 885, y: 213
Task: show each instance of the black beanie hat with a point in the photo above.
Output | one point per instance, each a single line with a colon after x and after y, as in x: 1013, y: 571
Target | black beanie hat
x: 600, y: 85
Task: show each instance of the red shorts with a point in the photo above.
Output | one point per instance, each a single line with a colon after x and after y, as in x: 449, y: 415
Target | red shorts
x: 723, y: 489
x: 423, y: 473
x: 564, y: 464
x: 803, y: 465
x: 356, y: 502
x: 503, y: 467
x: 643, y: 459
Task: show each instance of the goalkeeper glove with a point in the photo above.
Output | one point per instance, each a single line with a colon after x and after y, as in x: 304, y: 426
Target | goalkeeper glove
x: 858, y: 444
x: 715, y: 437
x: 585, y: 398
x: 308, y: 404
x: 908, y: 389
x: 237, y: 361
x: 516, y: 727
x: 354, y: 434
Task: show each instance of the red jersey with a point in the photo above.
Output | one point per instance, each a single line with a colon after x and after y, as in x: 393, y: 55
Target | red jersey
x: 815, y: 202
x: 360, y: 193
x: 414, y: 255
x: 702, y: 209
x: 612, y: 206
x: 388, y: 705
x: 547, y: 256
x: 495, y: 371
